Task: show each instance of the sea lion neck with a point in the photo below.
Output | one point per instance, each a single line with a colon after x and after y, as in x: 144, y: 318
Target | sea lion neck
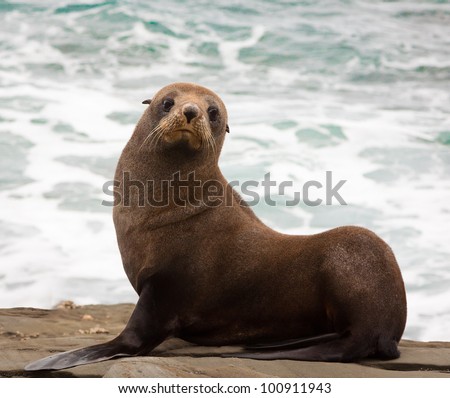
x: 167, y: 189
x: 163, y: 164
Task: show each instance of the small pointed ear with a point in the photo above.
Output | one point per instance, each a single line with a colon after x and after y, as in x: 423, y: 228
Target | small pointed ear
x: 147, y: 101
x: 227, y: 129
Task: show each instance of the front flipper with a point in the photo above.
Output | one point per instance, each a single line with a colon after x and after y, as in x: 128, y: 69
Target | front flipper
x: 69, y: 359
x: 143, y: 332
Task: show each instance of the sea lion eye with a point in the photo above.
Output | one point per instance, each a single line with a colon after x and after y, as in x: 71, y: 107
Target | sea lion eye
x: 213, y: 113
x: 167, y: 104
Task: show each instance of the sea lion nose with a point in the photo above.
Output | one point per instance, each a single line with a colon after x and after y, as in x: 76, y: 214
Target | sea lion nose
x: 190, y: 111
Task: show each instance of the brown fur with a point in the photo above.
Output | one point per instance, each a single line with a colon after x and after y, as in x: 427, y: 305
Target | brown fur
x: 219, y: 276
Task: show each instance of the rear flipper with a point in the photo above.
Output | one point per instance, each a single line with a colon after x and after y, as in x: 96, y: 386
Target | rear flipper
x: 345, y: 349
x: 143, y: 332
x: 295, y: 343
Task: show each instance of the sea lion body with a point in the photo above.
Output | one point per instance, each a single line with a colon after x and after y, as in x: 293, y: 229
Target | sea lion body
x: 209, y: 271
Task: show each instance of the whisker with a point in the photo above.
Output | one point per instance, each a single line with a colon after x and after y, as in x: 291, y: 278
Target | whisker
x: 209, y: 140
x: 154, y: 131
x: 204, y: 137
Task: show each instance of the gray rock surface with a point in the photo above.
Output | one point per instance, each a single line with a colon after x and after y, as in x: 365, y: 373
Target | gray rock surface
x: 27, y: 334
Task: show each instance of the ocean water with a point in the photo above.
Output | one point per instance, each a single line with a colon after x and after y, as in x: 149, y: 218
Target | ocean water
x: 359, y: 88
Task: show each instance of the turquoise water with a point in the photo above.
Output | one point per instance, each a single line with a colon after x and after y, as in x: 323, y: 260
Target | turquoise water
x: 361, y: 88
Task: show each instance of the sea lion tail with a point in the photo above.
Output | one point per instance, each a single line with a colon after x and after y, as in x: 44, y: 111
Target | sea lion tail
x: 387, y: 348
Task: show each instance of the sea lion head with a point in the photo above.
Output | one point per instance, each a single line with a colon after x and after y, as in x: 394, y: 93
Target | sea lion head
x: 183, y: 117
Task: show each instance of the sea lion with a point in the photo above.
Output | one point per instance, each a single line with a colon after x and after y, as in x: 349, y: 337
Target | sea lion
x: 208, y: 271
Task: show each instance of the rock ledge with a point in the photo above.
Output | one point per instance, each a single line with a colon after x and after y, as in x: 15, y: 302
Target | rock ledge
x: 27, y: 334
